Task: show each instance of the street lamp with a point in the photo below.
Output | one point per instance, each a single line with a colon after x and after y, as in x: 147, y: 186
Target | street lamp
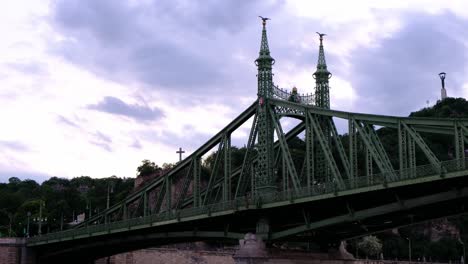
x: 463, y: 245
x: 27, y: 228
x: 40, y: 219
x: 409, y: 248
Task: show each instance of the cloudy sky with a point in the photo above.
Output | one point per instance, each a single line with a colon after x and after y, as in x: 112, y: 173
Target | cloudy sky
x: 92, y: 87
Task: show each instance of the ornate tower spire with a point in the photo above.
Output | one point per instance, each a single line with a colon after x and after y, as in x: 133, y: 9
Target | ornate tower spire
x: 264, y: 64
x: 264, y: 175
x: 321, y: 76
x: 322, y: 99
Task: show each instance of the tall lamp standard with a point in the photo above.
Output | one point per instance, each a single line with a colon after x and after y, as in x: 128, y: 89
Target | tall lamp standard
x: 27, y: 227
x: 463, y: 245
x: 40, y: 219
x: 409, y: 248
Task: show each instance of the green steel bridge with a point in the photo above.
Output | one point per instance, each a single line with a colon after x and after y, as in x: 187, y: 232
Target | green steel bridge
x: 344, y: 186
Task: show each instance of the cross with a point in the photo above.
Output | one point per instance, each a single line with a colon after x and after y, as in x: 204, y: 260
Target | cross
x: 180, y: 151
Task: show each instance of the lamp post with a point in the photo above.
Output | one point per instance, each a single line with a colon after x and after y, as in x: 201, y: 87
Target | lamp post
x: 463, y: 245
x: 27, y: 227
x: 409, y: 248
x: 40, y: 219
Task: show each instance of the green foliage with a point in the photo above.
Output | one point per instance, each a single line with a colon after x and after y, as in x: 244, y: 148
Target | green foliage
x: 371, y: 246
x: 62, y: 197
x: 147, y: 167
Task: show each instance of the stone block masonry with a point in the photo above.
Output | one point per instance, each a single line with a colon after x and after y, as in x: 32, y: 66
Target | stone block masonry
x: 13, y: 251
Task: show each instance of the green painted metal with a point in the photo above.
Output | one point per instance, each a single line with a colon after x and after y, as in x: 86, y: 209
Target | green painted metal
x: 243, y: 180
x: 256, y: 180
x: 213, y: 173
x: 227, y: 168
x: 367, y: 140
x: 353, y: 165
x: 322, y: 75
x: 340, y: 148
x: 196, y: 181
x: 324, y: 144
x: 264, y: 175
x: 379, y: 210
x: 424, y: 147
x: 426, y: 173
x: 291, y: 170
x: 309, y: 156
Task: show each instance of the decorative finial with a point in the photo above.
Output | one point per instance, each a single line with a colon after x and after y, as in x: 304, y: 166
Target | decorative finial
x: 264, y: 19
x: 321, y: 36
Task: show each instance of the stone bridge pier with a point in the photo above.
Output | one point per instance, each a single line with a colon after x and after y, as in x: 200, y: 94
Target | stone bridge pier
x: 14, y: 251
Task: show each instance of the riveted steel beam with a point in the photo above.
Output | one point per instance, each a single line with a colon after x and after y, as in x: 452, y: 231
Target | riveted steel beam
x: 286, y: 154
x: 327, y: 152
x: 372, y: 212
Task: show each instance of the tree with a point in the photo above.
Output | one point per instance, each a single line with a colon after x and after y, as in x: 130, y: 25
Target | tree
x: 370, y: 245
x: 147, y: 167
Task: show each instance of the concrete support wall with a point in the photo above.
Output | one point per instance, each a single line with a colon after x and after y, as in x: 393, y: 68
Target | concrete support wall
x: 13, y: 251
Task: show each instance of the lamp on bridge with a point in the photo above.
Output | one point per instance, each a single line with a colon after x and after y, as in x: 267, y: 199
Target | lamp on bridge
x: 27, y: 227
x: 39, y: 220
x: 409, y: 248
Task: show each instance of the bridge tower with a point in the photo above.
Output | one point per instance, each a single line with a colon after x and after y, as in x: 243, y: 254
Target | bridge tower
x: 322, y: 99
x: 321, y: 76
x: 264, y: 173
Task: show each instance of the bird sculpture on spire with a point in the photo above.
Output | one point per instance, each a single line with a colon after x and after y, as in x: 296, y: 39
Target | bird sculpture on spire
x: 321, y: 35
x: 264, y: 19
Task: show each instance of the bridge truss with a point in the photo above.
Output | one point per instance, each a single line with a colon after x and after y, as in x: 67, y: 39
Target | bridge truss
x: 273, y: 175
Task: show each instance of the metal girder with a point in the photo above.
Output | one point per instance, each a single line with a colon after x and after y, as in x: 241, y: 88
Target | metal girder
x: 242, y: 181
x: 340, y: 148
x: 459, y: 141
x: 369, y: 165
x: 402, y: 149
x: 418, y: 139
x: 372, y: 212
x: 185, y: 186
x: 214, y: 173
x: 160, y: 198
x: 286, y: 154
x: 309, y: 157
x: 168, y: 193
x: 370, y: 144
x: 291, y: 134
x: 353, y: 165
x: 145, y: 203
x: 327, y: 152
x: 264, y: 172
x: 227, y: 168
x: 411, y: 155
x: 379, y: 147
x: 373, y: 119
x: 237, y: 122
x: 196, y: 181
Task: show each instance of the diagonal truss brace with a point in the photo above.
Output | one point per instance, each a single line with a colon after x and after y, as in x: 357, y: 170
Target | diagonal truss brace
x: 369, y: 142
x: 380, y: 149
x: 286, y: 154
x: 214, y: 172
x: 242, y: 182
x: 341, y: 151
x: 326, y: 150
x: 424, y: 147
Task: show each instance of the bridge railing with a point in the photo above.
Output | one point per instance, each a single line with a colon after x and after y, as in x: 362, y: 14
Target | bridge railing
x: 246, y: 201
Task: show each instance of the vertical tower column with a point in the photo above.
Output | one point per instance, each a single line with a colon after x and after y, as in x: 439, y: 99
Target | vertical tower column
x: 264, y: 174
x: 322, y: 99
